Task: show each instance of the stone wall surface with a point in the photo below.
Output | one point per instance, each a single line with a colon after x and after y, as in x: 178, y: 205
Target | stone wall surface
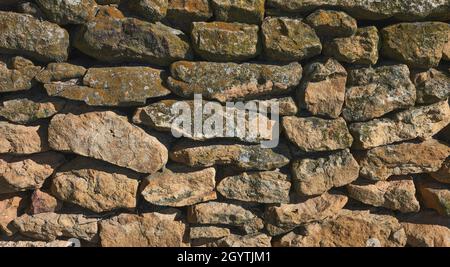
x: 86, y: 148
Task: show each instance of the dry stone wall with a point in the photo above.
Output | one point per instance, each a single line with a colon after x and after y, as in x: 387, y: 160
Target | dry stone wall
x: 86, y: 149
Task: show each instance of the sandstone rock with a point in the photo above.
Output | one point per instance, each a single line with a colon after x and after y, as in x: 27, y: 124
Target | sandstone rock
x: 349, y: 229
x: 181, y: 13
x: 35, y: 244
x: 373, y: 92
x: 225, y: 213
x: 287, y: 39
x: 148, y: 230
x: 243, y: 81
x: 361, y: 48
x: 316, y: 176
x: 11, y: 207
x: 208, y: 232
x: 30, y: 109
x: 109, y: 137
x: 42, y: 202
x: 233, y: 241
x: 432, y: 86
x: 222, y: 41
x: 95, y: 185
x: 65, y: 12
x: 19, y: 77
x: 251, y: 12
x: 242, y: 157
x: 261, y: 187
x: 124, y: 40
x: 30, y: 8
x: 398, y: 194
x: 20, y: 173
x: 286, y: 105
x: 178, y: 189
x: 322, y: 91
x: 417, y: 44
x: 151, y: 10
x: 110, y: 11
x: 443, y: 174
x: 446, y: 49
x: 60, y: 72
x: 435, y: 196
x: 401, y: 159
x: 332, y: 24
x: 25, y: 35
x: 426, y: 235
x: 49, y: 226
x: 19, y: 139
x: 418, y: 122
x: 316, y: 134
x: 284, y: 218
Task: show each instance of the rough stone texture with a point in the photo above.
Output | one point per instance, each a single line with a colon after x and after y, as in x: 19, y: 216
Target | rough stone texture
x: 419, y: 122
x: 243, y: 157
x: 19, y: 76
x: 398, y: 194
x: 322, y: 91
x: 381, y: 162
x: 147, y: 230
x: 178, y: 189
x: 60, y: 72
x: 35, y: 244
x: 95, y: 185
x: 416, y: 44
x: 65, y: 12
x: 374, y: 92
x: 208, y: 232
x: 432, y: 86
x: 284, y: 218
x: 123, y: 40
x: 20, y: 173
x: 11, y: 207
x: 332, y: 24
x: 435, y: 196
x: 316, y: 134
x: 42, y: 202
x: 25, y: 35
x: 361, y: 48
x: 243, y: 81
x: 181, y: 13
x: 19, y: 139
x: 254, y: 240
x: 223, y: 41
x: 426, y: 235
x: 349, y: 229
x: 49, y: 226
x: 443, y: 174
x: 287, y: 39
x: 248, y: 11
x: 109, y: 137
x: 261, y: 187
x: 316, y: 176
x: 29, y: 109
x: 151, y: 10
x: 286, y: 105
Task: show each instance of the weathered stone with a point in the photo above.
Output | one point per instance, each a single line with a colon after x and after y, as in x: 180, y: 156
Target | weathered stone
x: 109, y: 137
x: 435, y: 196
x: 30, y: 8
x: 286, y: 217
x: 373, y: 92
x: 151, y: 10
x: 418, y: 122
x: 242, y: 81
x: 426, y: 235
x: 19, y: 139
x: 249, y: 11
x: 65, y: 12
x: 322, y: 91
x: 371, y: 10
x: 261, y: 187
x: 316, y: 176
x: 242, y: 157
x: 443, y: 174
x: 286, y: 105
x: 28, y: 36
x: 124, y: 40
x: 332, y: 24
x: 316, y: 134
x: 225, y: 213
x: 19, y: 77
x: 60, y: 72
x: 42, y: 202
x: 49, y: 226
x: 432, y: 86
x: 11, y: 207
x: 27, y: 110
x: 208, y: 232
x: 20, y: 173
x: 181, y: 13
x: 233, y: 241
x: 147, y: 230
x: 361, y: 48
x: 110, y: 11
x: 398, y: 194
x: 287, y: 39
x: 95, y: 185
x: 178, y: 189
x: 222, y: 41
x: 417, y: 44
x: 35, y: 244
x: 349, y: 229
x: 406, y: 158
